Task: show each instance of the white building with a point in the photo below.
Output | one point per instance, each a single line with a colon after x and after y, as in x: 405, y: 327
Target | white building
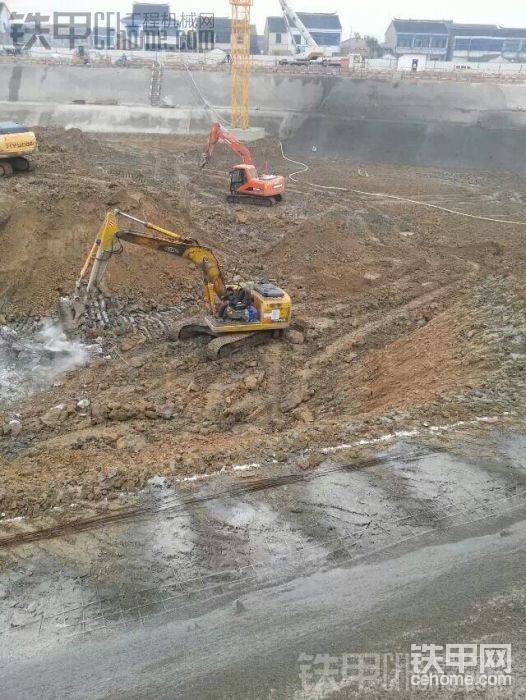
x: 413, y: 62
x: 487, y: 42
x: 5, y: 25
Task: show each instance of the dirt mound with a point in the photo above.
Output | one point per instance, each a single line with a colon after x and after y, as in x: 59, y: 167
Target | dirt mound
x: 6, y: 207
x: 56, y: 218
x: 166, y: 410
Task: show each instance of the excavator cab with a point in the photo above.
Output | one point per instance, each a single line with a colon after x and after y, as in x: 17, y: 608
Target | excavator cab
x: 247, y: 184
x: 237, y: 179
x: 237, y: 305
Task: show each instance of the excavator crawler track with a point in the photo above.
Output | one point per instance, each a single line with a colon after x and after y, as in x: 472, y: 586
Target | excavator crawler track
x: 20, y: 164
x: 252, y: 199
x: 6, y: 169
x: 9, y: 166
x: 188, y: 328
x: 228, y: 344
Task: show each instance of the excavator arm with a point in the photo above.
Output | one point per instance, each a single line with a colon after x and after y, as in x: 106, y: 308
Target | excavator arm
x: 107, y: 244
x: 202, y: 257
x: 218, y: 134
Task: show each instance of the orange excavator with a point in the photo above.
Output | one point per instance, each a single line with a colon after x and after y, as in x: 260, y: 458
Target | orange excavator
x: 246, y: 185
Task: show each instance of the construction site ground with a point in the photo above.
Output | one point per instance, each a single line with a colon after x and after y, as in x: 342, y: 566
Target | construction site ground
x: 404, y: 315
x: 380, y: 440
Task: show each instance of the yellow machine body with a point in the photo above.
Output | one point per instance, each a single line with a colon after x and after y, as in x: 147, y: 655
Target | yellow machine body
x: 16, y: 140
x: 273, y: 313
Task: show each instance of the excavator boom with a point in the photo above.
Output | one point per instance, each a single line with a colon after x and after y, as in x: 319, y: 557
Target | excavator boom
x: 218, y: 134
x: 169, y: 242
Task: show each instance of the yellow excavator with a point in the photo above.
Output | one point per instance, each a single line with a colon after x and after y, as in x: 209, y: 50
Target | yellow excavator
x: 238, y: 315
x: 16, y: 143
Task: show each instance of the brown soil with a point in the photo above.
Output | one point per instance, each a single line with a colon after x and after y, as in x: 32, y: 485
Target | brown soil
x: 403, y: 314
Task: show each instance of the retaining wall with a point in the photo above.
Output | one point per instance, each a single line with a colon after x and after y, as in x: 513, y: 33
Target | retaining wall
x: 421, y: 121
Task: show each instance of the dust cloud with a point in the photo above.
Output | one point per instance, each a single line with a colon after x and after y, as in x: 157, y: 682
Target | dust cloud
x: 29, y: 362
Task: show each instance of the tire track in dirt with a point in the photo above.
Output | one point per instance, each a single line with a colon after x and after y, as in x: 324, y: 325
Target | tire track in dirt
x: 344, y: 342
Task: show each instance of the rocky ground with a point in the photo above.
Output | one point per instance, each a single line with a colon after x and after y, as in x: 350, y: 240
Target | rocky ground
x: 404, y: 316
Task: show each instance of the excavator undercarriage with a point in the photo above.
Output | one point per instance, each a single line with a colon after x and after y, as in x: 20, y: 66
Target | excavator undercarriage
x: 226, y: 340
x: 256, y: 200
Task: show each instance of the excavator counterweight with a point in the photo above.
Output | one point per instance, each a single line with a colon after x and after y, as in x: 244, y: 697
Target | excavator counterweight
x: 238, y: 315
x: 246, y: 184
x: 16, y: 143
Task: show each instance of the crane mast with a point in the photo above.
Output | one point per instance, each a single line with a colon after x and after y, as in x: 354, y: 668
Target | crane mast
x: 240, y: 48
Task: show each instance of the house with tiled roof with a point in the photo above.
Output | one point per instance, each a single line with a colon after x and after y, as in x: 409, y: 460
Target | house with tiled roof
x: 422, y: 36
x: 325, y: 28
x: 447, y: 40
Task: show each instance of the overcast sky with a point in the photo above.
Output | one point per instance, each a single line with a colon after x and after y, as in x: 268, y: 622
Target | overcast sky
x: 369, y: 18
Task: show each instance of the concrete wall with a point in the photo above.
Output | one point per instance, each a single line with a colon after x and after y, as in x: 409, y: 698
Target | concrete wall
x: 100, y: 118
x: 267, y: 91
x: 57, y: 84
x: 448, y: 123
x: 444, y: 145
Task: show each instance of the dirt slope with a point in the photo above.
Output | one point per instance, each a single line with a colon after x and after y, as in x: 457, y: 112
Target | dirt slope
x: 403, y: 315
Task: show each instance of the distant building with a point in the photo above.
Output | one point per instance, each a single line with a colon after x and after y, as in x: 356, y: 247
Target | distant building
x: 154, y: 27
x: 429, y: 37
x: 325, y: 29
x: 223, y: 31
x: 355, y: 45
x: 447, y: 41
x: 483, y: 42
x: 5, y: 25
x: 261, y: 43
x: 89, y: 36
x: 149, y: 26
x: 277, y: 39
x: 25, y: 34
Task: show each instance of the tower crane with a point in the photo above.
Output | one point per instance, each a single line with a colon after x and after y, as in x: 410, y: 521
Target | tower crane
x: 240, y: 51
